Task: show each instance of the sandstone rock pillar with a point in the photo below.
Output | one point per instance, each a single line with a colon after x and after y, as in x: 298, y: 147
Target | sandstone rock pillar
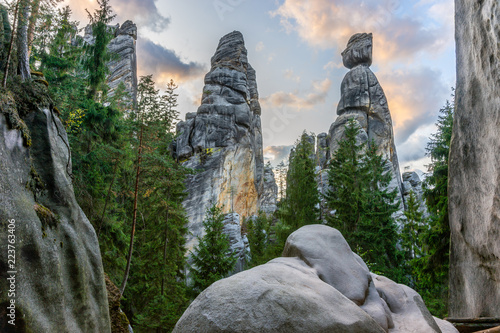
x: 474, y: 164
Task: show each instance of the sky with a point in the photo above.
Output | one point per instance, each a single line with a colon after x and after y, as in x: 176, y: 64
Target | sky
x: 295, y: 46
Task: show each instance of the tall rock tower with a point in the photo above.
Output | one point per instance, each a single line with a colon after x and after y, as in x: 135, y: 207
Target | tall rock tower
x: 474, y: 164
x: 363, y: 100
x: 222, y: 141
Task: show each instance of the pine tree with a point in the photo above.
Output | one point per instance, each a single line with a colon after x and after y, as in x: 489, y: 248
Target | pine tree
x: 412, y: 227
x: 212, y: 257
x: 258, y: 238
x: 156, y: 288
x: 98, y: 56
x: 346, y: 176
x: 300, y: 206
x: 363, y: 204
x: 432, y: 268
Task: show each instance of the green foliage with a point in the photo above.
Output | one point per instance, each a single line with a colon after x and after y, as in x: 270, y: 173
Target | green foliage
x: 212, y: 257
x: 432, y: 267
x: 363, y: 204
x: 301, y: 203
x: 97, y: 54
x: 258, y: 239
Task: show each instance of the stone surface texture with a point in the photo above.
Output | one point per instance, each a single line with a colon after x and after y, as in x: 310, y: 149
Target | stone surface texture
x: 60, y: 279
x: 269, y: 196
x: 363, y: 99
x: 319, y: 285
x: 239, y: 243
x: 413, y: 183
x: 474, y: 176
x: 222, y: 141
x: 123, y: 65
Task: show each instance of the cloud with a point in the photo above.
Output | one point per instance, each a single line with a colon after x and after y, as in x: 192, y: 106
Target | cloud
x: 414, y: 97
x: 142, y: 12
x: 276, y: 154
x: 318, y: 94
x: 289, y: 74
x: 165, y: 63
x: 260, y: 46
x: 329, y: 24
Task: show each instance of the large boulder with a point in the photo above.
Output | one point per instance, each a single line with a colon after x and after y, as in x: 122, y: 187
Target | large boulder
x: 59, y: 279
x: 285, y: 295
x: 474, y: 173
x: 319, y: 285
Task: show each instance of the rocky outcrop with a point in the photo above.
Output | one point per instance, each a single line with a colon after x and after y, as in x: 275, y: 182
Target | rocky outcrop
x: 413, y: 183
x: 222, y: 141
x: 269, y: 196
x: 123, y: 65
x: 239, y: 243
x: 363, y: 100
x: 319, y: 285
x: 59, y: 280
x: 474, y: 175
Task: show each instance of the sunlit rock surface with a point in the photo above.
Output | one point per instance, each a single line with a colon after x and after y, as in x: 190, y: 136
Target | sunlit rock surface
x: 222, y: 141
x: 363, y: 99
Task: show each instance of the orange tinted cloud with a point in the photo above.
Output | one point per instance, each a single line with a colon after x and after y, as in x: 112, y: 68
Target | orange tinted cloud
x: 165, y: 64
x: 329, y: 24
x: 414, y: 98
x: 318, y: 94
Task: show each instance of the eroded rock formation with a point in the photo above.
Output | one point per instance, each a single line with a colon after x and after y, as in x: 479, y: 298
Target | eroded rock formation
x: 123, y: 65
x: 413, y: 183
x: 222, y: 141
x: 319, y: 285
x: 59, y: 279
x: 269, y: 197
x: 474, y: 173
x: 239, y: 243
x: 363, y: 99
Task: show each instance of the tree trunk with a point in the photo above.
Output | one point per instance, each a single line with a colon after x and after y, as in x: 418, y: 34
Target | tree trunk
x: 35, y: 8
x: 22, y: 41
x: 11, y: 45
x: 164, y: 256
x: 107, y: 197
x: 134, y: 218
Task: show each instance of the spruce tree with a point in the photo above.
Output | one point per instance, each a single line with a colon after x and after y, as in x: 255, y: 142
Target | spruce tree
x: 300, y: 206
x: 212, y: 257
x: 346, y: 176
x: 302, y: 196
x: 362, y: 203
x: 432, y: 268
x: 97, y: 54
x: 258, y: 238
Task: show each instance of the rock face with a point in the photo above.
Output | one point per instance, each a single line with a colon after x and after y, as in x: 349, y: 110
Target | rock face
x: 319, y: 285
x: 363, y: 100
x: 123, y: 67
x: 222, y: 141
x: 239, y: 244
x: 474, y: 176
x: 412, y: 183
x: 269, y: 196
x: 59, y: 284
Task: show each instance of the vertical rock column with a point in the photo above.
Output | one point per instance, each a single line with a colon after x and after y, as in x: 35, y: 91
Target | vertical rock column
x: 474, y: 164
x: 363, y: 100
x: 222, y: 141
